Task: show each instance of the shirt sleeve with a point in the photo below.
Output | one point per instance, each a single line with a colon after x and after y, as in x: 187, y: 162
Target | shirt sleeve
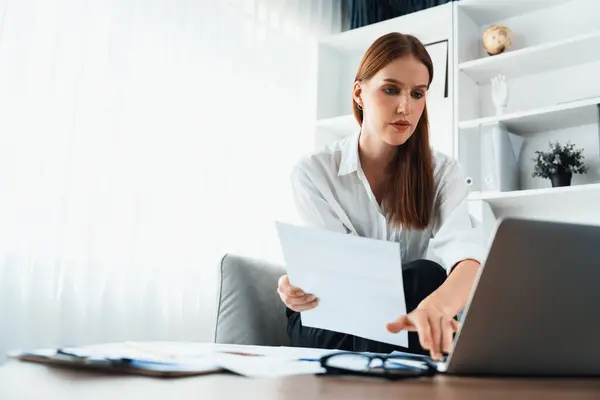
x: 455, y: 238
x: 312, y: 207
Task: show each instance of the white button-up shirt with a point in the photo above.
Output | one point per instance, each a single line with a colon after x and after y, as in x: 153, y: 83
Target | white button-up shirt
x: 331, y: 192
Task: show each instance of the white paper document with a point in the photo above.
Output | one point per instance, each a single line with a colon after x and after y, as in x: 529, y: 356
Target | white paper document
x: 265, y: 367
x: 249, y: 361
x: 358, y: 281
x: 184, y: 351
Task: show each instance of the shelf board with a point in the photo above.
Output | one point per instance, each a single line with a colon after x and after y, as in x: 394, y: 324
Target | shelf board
x: 560, y: 196
x: 429, y: 25
x: 489, y: 11
x: 345, y: 124
x: 560, y: 54
x: 564, y: 115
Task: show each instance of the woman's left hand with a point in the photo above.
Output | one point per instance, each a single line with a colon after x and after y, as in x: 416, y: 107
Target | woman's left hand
x: 435, y: 328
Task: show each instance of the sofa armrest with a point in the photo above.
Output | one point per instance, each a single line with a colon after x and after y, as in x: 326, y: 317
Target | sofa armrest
x: 249, y: 310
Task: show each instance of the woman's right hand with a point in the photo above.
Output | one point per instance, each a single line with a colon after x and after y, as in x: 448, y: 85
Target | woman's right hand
x: 295, y: 298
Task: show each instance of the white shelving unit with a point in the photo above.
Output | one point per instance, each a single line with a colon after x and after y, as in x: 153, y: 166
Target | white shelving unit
x: 487, y: 12
x: 562, y: 116
x: 552, y: 197
x: 553, y: 75
x: 570, y: 204
x: 552, y: 72
x: 561, y: 54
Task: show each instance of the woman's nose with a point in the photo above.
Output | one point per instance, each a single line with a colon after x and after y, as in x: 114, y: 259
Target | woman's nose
x: 404, y: 105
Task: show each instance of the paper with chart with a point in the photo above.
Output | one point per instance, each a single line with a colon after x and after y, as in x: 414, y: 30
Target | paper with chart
x: 358, y: 281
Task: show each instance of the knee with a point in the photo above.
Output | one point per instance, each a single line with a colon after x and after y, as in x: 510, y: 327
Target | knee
x: 425, y: 274
x: 426, y: 267
x: 421, y: 278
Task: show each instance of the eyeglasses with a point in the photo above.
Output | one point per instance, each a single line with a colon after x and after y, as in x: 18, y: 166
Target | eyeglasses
x: 378, y: 365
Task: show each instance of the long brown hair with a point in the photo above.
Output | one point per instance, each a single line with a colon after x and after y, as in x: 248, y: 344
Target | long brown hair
x: 408, y: 188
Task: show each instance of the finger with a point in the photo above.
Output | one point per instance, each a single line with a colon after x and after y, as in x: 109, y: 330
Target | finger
x: 283, y: 295
x: 447, y: 338
x: 435, y: 322
x: 402, y: 323
x: 286, y: 300
x: 287, y: 288
x: 283, y: 283
x: 307, y: 306
x: 421, y: 322
x: 298, y: 301
x: 455, y: 325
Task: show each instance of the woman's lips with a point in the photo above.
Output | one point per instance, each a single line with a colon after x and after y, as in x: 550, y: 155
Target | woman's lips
x: 401, y: 126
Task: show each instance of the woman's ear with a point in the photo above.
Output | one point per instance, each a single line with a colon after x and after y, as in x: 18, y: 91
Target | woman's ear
x: 356, y: 93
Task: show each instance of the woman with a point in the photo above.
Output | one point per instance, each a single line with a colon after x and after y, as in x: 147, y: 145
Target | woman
x: 387, y: 183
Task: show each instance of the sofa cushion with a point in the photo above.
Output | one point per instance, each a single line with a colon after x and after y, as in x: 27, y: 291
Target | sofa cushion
x: 249, y: 310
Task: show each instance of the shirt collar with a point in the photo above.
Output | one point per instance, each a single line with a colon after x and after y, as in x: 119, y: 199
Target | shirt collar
x: 349, y: 161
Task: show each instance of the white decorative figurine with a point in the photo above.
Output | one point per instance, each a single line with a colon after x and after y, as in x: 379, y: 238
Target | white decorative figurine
x: 499, y: 93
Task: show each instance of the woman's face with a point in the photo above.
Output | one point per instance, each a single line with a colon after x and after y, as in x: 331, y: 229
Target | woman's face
x: 393, y: 100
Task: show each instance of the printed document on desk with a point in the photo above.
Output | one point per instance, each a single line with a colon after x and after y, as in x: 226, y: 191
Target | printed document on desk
x: 358, y: 281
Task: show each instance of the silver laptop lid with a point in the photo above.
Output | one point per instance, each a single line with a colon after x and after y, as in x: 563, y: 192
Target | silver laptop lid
x: 536, y: 306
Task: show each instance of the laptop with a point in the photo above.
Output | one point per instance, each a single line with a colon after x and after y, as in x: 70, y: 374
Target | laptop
x: 535, y: 309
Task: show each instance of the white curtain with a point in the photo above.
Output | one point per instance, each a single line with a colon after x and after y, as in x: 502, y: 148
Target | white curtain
x: 140, y: 140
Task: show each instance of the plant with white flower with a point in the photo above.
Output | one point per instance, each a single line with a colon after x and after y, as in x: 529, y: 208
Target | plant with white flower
x: 559, y: 159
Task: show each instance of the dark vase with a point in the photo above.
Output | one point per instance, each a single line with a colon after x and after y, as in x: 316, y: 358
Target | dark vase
x: 562, y: 178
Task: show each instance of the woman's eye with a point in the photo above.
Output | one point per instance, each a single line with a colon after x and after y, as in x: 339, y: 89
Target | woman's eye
x: 417, y: 95
x: 390, y: 91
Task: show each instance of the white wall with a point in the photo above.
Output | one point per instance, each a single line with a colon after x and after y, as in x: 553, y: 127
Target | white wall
x: 141, y: 141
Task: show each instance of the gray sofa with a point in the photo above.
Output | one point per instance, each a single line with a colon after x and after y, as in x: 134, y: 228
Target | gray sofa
x: 249, y: 310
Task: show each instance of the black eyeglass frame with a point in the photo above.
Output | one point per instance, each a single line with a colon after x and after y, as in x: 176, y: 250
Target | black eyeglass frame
x: 412, y: 372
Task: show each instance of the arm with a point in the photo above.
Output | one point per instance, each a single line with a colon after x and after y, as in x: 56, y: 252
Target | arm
x: 433, y: 317
x: 314, y: 211
x: 452, y: 296
x: 460, y: 248
x: 457, y: 243
x: 312, y: 205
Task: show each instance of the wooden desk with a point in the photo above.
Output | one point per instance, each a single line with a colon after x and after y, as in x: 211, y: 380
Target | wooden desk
x: 23, y: 381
